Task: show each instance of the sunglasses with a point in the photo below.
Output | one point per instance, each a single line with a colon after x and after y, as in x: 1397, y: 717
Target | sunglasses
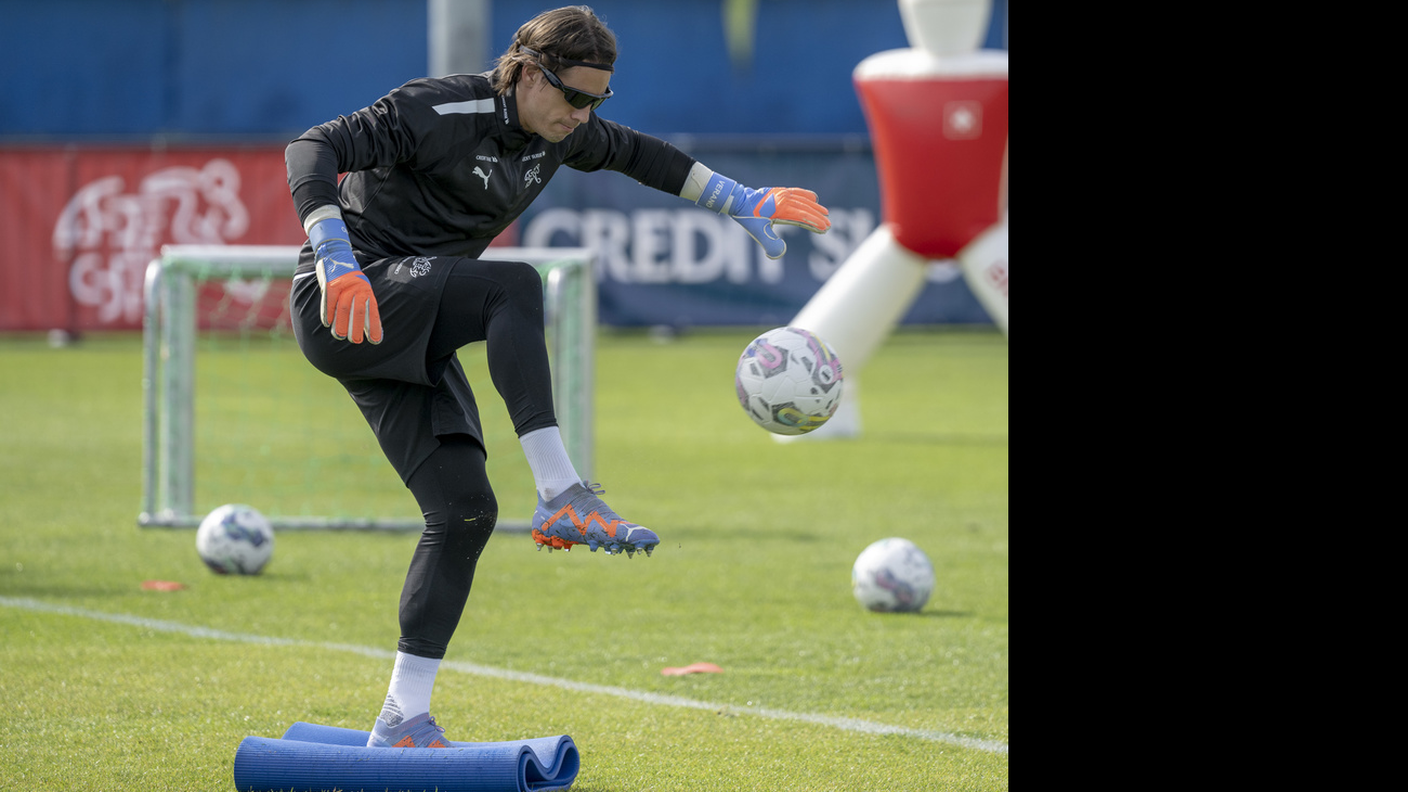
x: 576, y: 98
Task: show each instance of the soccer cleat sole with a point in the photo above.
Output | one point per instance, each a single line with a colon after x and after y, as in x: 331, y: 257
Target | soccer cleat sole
x: 551, y: 542
x: 611, y: 548
x: 409, y: 742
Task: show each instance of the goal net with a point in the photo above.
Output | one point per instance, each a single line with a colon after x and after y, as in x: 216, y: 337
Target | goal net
x: 233, y: 413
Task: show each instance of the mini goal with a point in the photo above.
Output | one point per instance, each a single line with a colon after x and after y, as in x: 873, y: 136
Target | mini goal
x: 233, y: 413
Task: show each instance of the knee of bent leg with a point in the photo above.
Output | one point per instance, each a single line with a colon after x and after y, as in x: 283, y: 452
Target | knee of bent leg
x: 473, y: 513
x: 522, y: 280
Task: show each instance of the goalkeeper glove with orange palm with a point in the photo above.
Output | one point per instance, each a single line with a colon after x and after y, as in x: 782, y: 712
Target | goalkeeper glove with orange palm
x: 348, y: 305
x: 759, y: 210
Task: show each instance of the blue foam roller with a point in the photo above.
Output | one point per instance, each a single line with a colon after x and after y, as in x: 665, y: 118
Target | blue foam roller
x: 313, y: 757
x: 557, y: 760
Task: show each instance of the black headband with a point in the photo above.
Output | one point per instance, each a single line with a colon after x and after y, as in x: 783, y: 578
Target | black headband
x: 569, y: 61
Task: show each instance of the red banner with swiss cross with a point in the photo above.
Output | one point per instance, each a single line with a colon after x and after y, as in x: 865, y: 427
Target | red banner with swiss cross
x: 81, y: 223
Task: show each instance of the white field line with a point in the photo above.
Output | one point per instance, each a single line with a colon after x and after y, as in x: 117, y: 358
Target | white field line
x: 845, y: 724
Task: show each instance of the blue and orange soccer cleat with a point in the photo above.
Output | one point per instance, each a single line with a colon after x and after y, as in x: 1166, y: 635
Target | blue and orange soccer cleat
x: 418, y: 732
x: 577, y: 516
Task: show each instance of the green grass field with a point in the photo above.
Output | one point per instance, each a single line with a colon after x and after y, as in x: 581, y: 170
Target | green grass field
x: 108, y: 686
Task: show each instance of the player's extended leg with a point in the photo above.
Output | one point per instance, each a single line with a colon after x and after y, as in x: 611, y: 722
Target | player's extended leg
x: 501, y: 303
x: 460, y: 510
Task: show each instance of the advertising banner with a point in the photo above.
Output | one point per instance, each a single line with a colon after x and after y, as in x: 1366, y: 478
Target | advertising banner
x: 81, y: 223
x: 665, y: 262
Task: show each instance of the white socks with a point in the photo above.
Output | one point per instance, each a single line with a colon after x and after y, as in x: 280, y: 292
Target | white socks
x: 547, y: 457
x: 412, y: 679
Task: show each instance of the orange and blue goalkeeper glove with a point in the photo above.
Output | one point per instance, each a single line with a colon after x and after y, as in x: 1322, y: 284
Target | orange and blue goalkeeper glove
x: 758, y: 210
x: 348, y: 305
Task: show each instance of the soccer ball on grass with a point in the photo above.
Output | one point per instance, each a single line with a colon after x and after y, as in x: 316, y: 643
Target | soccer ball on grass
x: 235, y: 539
x: 788, y: 381
x: 892, y: 575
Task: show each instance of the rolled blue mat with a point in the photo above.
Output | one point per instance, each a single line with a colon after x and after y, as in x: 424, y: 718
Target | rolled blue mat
x: 557, y: 760
x: 313, y: 757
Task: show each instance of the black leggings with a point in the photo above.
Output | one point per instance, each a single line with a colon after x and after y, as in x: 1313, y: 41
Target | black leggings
x: 500, y: 303
x: 460, y: 511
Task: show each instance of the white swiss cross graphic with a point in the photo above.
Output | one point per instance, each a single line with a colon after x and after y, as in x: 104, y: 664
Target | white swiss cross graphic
x: 963, y: 120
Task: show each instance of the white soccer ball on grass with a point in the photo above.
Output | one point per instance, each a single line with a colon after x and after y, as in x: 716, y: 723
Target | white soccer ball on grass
x: 892, y: 575
x: 235, y: 539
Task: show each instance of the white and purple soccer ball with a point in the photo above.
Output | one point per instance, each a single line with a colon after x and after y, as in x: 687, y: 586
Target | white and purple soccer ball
x: 235, y: 539
x: 892, y: 575
x: 788, y: 381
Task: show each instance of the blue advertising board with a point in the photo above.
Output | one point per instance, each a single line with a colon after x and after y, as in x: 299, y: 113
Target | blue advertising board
x: 238, y: 68
x: 665, y: 262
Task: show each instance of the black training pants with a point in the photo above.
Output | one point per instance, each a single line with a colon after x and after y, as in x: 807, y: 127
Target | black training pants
x: 414, y: 395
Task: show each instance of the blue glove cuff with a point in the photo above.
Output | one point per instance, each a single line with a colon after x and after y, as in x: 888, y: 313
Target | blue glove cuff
x: 329, y: 237
x: 716, y: 193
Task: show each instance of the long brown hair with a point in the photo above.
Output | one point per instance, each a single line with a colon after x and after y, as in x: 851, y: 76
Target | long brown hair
x: 571, y: 33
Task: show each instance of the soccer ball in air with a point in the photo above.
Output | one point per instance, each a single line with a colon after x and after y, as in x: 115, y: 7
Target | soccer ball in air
x: 235, y: 539
x: 788, y: 381
x: 892, y: 575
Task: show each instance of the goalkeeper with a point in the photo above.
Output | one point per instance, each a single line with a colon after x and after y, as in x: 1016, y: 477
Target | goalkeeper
x: 391, y: 284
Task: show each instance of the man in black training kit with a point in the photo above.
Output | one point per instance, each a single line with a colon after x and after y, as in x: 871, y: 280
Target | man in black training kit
x: 435, y: 170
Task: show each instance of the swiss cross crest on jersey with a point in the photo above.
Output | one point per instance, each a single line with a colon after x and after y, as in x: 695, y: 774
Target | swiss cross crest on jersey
x: 408, y: 268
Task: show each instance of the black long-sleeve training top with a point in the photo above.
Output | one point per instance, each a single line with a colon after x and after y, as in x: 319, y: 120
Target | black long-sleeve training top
x: 440, y: 166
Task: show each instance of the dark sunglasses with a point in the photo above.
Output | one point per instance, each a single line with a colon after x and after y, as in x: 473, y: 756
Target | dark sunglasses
x: 576, y: 98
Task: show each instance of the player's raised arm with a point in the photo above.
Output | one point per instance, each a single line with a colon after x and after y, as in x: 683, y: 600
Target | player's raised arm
x: 757, y: 210
x: 656, y: 163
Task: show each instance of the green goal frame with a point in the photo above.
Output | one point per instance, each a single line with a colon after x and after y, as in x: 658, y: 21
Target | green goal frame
x: 170, y: 327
